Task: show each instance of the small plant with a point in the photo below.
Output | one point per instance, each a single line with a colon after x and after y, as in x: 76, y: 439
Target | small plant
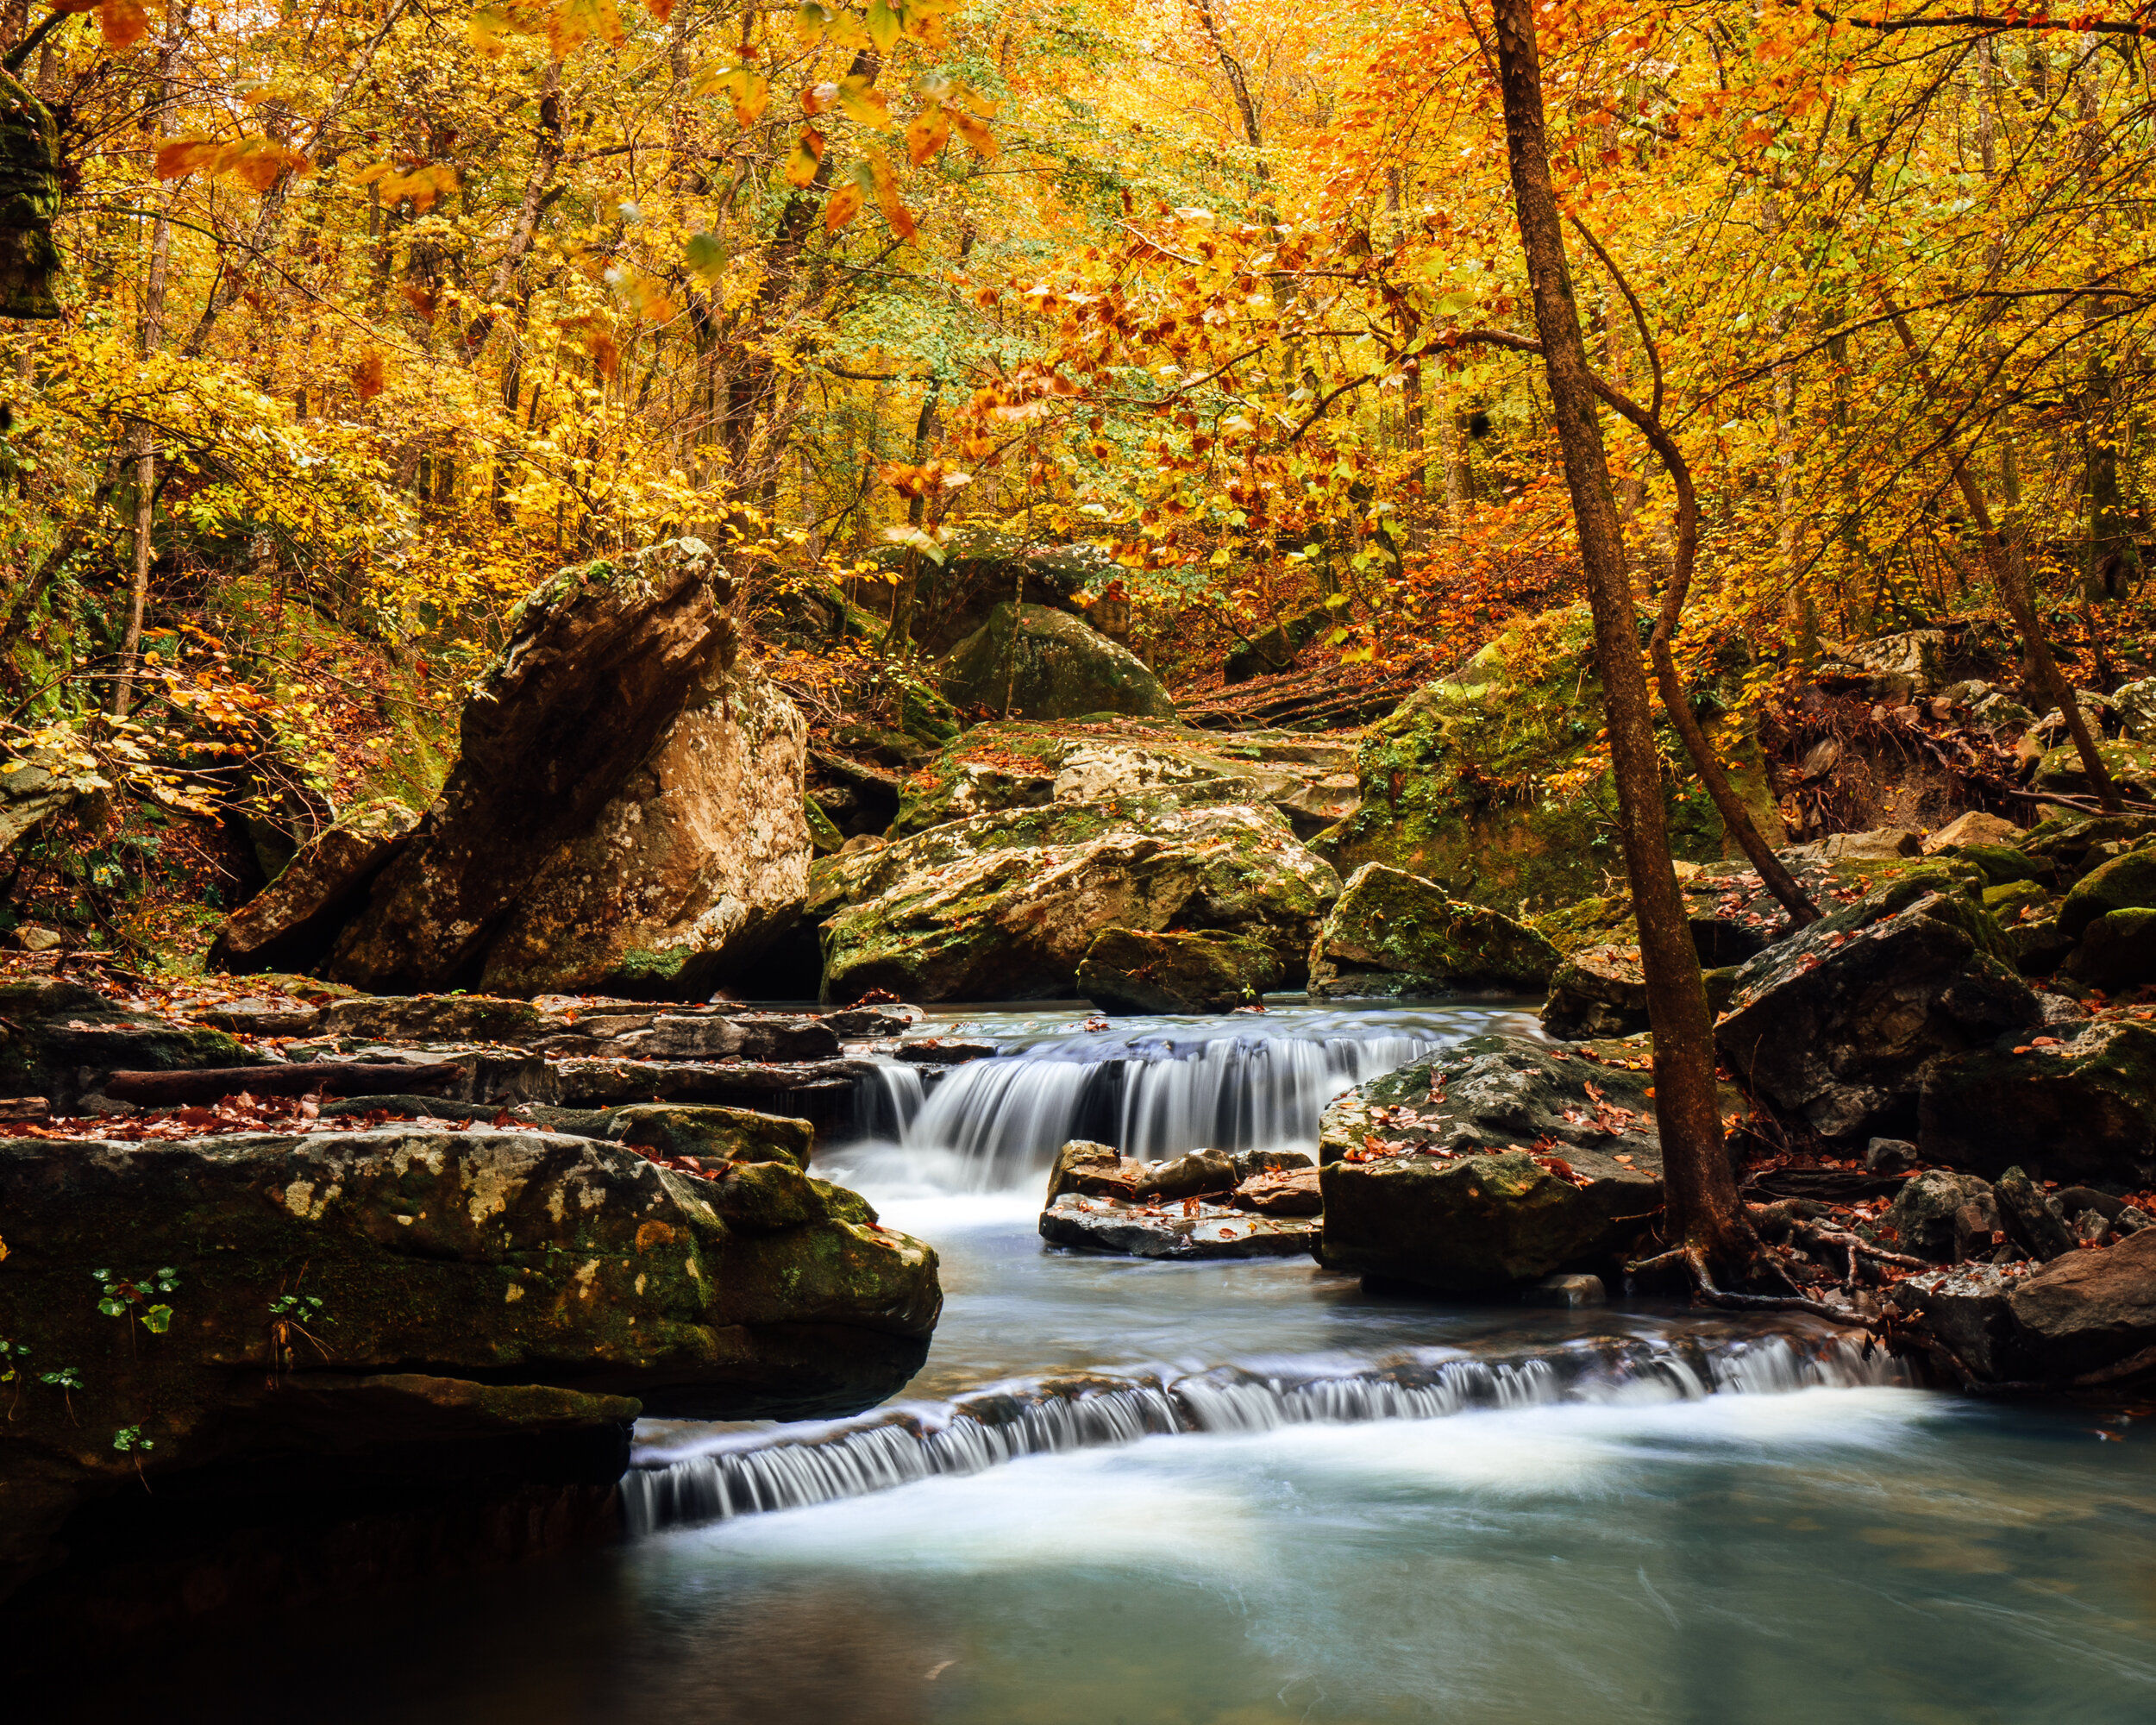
x: 130, y: 1438
x: 290, y: 1314
x: 67, y: 1380
x: 299, y: 1309
x: 119, y: 1297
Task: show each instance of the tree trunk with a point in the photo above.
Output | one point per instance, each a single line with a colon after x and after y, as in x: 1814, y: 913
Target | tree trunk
x: 1703, y: 1212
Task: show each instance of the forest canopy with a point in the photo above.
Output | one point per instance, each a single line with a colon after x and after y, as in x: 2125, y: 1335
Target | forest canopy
x: 368, y: 316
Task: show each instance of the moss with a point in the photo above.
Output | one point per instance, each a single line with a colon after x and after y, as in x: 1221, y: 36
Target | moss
x: 823, y: 834
x: 1483, y: 782
x: 1062, y: 668
x: 1394, y: 933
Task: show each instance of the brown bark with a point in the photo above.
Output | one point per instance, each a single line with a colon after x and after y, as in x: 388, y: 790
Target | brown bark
x: 296, y: 1078
x: 1703, y: 1212
x: 2010, y: 574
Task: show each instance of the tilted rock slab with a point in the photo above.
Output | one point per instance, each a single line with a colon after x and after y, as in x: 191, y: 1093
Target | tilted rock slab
x: 290, y: 924
x: 625, y: 815
x: 548, y: 1279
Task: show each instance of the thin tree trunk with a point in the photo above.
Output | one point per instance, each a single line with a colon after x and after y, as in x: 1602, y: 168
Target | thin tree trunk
x: 1702, y: 1210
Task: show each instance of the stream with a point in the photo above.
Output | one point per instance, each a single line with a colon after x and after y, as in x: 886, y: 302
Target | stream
x: 1233, y: 1494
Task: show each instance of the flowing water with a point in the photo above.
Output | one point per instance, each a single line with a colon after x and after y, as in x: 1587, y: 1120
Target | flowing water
x: 1244, y: 1493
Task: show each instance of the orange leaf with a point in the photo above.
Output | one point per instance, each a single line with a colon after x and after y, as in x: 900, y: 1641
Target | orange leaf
x: 660, y: 9
x: 895, y: 213
x: 122, y: 22
x: 183, y: 156
x: 979, y: 136
x: 926, y: 133
x: 844, y: 204
x: 369, y: 376
x: 807, y: 154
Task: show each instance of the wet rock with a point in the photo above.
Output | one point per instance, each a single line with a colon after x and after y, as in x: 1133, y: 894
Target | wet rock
x: 1098, y: 1170
x: 1093, y: 1171
x: 1975, y: 827
x: 60, y: 1040
x: 1570, y: 1292
x: 1392, y: 933
x: 1187, y: 1229
x: 1889, y: 1156
x: 2135, y: 704
x: 1966, y: 1308
x: 2032, y: 1218
x: 1283, y: 1192
x: 1489, y: 1164
x: 290, y: 924
x: 625, y: 815
x: 1014, y: 923
x: 2081, y: 1105
x: 530, y: 1268
x: 1837, y: 1022
x: 1598, y: 991
x: 873, y: 1023
x: 2117, y: 951
x: 1125, y: 970
x: 820, y: 1090
x: 2090, y: 1310
x: 1063, y: 670
x: 944, y: 1051
x: 2126, y: 882
x: 713, y: 1134
x: 1925, y: 1219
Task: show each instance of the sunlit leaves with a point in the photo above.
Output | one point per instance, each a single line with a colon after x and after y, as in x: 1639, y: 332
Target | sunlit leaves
x: 423, y: 185
x: 576, y: 21
x: 864, y: 104
x: 749, y: 91
x: 884, y: 25
x: 886, y: 186
x: 847, y: 198
x: 256, y: 163
x: 926, y: 133
x: 807, y: 156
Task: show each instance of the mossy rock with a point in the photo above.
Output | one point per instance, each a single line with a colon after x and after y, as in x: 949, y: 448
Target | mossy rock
x: 2126, y: 882
x: 711, y: 1133
x: 1392, y: 934
x: 1063, y: 669
x: 60, y: 1041
x: 823, y: 835
x: 1483, y: 782
x: 2131, y: 765
x: 2117, y: 951
x: 1134, y: 971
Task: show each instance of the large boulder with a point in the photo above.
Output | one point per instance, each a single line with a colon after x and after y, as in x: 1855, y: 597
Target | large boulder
x: 1489, y: 1165
x: 1597, y: 991
x: 2117, y: 951
x: 1838, y: 1023
x: 1059, y: 667
x: 30, y: 193
x: 626, y: 813
x: 1127, y: 971
x: 1014, y: 922
x: 1391, y: 933
x: 409, y: 1300
x: 1942, y: 1215
x: 1491, y: 782
x: 290, y: 924
x: 2079, y: 1105
x: 2126, y: 882
x: 50, y: 773
x: 2087, y: 1310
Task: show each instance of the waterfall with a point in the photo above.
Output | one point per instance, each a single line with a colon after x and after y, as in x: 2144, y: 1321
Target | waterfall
x: 1234, y: 1087
x: 791, y: 1467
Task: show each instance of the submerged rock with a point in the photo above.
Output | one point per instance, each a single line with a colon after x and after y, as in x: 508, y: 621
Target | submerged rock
x: 1488, y: 1165
x: 1059, y: 668
x: 259, y: 1275
x: 1391, y: 933
x: 1014, y: 923
x: 1837, y: 1023
x: 1127, y: 971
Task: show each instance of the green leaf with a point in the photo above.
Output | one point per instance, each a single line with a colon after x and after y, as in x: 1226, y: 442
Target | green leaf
x: 885, y: 25
x: 707, y: 258
x: 158, y: 1319
x: 111, y: 1308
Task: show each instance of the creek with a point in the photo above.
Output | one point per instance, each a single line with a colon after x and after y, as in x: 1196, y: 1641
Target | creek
x: 1233, y: 1494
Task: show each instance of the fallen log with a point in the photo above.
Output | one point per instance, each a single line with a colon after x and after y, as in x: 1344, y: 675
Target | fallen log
x: 298, y: 1078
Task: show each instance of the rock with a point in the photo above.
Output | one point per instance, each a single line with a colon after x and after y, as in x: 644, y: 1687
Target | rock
x: 2126, y: 882
x: 713, y: 1134
x: 54, y: 771
x: 1570, y: 1292
x: 1489, y: 1164
x: 2132, y: 767
x: 30, y: 193
x: 1460, y: 785
x: 1013, y: 923
x: 2082, y: 1105
x: 1093, y: 1171
x: 1889, y: 1156
x: 626, y: 816
x: 1598, y: 991
x: 33, y: 938
x: 2135, y: 704
x: 982, y: 567
x: 1098, y: 1170
x: 1391, y: 933
x: 1836, y: 1021
x: 2117, y: 951
x: 530, y: 1268
x: 290, y: 924
x: 1880, y: 844
x: 1064, y: 669
x: 2089, y: 1310
x: 1926, y: 1216
x: 2032, y: 1218
x: 873, y: 1022
x: 60, y: 1040
x: 1974, y: 827
x: 1284, y: 1192
x: 1127, y: 971
x: 1889, y: 667
x: 1967, y: 1307
x: 1208, y: 1230
x: 440, y: 1019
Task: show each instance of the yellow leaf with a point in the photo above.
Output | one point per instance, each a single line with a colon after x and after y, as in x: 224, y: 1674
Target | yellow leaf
x: 927, y: 132
x: 846, y: 30
x: 895, y: 213
x: 843, y: 205
x: 122, y: 22
x: 979, y: 136
x: 752, y: 94
x: 808, y: 151
x: 864, y: 104
x: 574, y: 21
x: 809, y: 23
x: 707, y: 258
x: 489, y: 26
x: 183, y: 156
x: 884, y: 26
